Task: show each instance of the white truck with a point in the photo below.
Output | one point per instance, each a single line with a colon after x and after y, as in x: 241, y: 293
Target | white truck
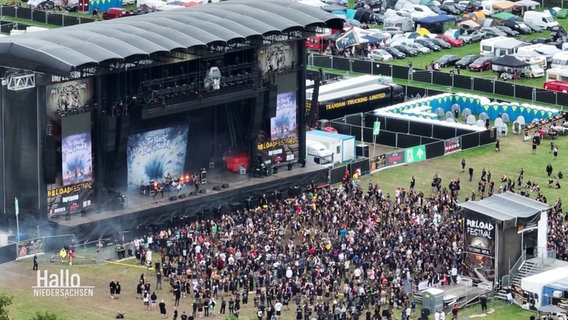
x: 340, y: 146
x: 317, y: 154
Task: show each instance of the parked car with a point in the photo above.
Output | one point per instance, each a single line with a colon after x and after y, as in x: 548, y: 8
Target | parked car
x: 113, y: 13
x: 441, y: 43
x: 562, y: 13
x: 392, y: 30
x: 453, y: 42
x: 491, y: 32
x: 473, y: 6
x: 428, y: 44
x: 447, y: 60
x: 451, y: 8
x: 419, y: 47
x: 519, y: 26
x: 380, y: 55
x: 473, y: 36
x: 407, y: 50
x: 481, y: 63
x: 510, y: 32
x: 464, y: 62
x: 72, y: 6
x: 397, y: 54
x: 534, y: 27
x: 438, y: 10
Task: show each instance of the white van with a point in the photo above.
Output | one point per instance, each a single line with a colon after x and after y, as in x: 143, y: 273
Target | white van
x: 559, y: 60
x: 543, y: 19
x: 488, y: 8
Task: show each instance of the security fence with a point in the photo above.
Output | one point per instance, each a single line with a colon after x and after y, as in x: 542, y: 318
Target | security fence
x: 53, y: 17
x: 449, y: 80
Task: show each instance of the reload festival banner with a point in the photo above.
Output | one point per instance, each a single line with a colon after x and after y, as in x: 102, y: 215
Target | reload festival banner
x: 480, y: 249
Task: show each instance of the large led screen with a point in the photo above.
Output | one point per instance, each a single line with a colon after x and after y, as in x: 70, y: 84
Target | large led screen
x: 152, y: 155
x: 283, y: 125
x: 76, y: 149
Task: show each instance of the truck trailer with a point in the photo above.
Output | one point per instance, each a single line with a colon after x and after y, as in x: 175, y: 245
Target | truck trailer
x: 353, y: 96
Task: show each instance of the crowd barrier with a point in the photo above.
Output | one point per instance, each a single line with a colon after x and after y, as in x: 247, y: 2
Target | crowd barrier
x: 53, y: 17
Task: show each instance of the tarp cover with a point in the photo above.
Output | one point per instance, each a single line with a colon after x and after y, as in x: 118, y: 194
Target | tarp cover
x: 436, y: 19
x: 507, y: 209
x: 118, y: 39
x: 503, y: 5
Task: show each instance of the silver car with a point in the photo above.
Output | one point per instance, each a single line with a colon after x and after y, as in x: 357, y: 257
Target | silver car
x: 474, y: 36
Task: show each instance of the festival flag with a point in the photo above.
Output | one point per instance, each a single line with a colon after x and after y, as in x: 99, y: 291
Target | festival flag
x: 349, y: 38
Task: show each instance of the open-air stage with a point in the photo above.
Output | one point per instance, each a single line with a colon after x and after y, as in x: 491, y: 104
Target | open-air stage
x: 242, y: 191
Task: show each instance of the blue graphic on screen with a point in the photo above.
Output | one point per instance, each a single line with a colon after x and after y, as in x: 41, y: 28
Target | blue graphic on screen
x: 284, y: 124
x: 152, y: 155
x: 77, y: 158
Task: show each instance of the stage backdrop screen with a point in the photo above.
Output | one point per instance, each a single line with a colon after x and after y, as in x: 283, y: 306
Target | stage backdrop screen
x: 284, y: 124
x: 152, y: 155
x: 76, y: 149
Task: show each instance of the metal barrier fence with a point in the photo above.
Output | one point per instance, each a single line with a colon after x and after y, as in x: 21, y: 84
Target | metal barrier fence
x: 414, y: 143
x: 44, y: 16
x: 490, y: 86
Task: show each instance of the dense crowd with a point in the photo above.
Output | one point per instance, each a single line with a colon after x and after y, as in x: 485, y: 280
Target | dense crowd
x: 342, y: 252
x: 338, y: 252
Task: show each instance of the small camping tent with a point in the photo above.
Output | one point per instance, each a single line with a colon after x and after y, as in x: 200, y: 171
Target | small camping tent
x: 469, y: 25
x: 486, y: 22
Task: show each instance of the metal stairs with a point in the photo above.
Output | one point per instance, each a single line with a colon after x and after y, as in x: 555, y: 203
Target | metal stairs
x: 528, y: 268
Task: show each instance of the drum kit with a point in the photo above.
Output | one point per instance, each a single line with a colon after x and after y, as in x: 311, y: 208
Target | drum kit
x: 168, y: 184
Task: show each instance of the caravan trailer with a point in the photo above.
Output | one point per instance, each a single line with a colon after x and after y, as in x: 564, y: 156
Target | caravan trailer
x: 559, y: 60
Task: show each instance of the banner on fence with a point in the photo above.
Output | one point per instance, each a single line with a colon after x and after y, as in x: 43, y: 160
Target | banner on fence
x: 452, y: 145
x: 394, y: 158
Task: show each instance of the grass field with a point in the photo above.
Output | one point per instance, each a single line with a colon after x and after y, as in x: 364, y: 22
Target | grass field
x: 17, y: 278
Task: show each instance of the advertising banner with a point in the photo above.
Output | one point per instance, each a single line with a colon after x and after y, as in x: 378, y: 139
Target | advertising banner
x: 282, y: 145
x: 480, y: 249
x: 378, y: 162
x: 395, y: 158
x: 452, y: 145
x: 69, y: 199
x: 152, y: 155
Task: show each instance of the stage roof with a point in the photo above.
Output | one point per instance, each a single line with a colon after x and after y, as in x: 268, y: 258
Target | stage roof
x: 63, y: 50
x: 508, y: 209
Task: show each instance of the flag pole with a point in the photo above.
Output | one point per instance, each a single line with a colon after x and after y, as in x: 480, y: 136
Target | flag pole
x: 17, y: 210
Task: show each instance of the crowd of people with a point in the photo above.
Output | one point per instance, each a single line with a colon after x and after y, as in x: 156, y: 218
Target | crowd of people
x: 344, y: 252
x: 339, y: 252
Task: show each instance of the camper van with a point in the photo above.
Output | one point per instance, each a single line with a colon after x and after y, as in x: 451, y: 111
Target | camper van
x: 403, y: 23
x: 534, y: 58
x: 543, y: 19
x: 557, y: 74
x: 559, y: 60
x: 546, y: 50
x: 488, y: 8
x: 500, y: 46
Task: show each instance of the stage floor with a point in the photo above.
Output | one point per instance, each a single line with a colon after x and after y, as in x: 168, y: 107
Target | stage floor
x: 140, y: 207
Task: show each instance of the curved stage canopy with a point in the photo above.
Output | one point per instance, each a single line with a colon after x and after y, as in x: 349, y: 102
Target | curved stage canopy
x: 60, y: 51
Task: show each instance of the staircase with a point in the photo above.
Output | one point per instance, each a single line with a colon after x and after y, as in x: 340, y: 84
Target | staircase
x: 528, y: 268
